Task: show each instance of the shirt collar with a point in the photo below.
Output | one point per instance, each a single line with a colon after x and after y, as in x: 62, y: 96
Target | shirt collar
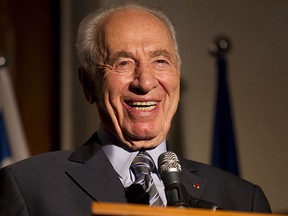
x: 120, y: 155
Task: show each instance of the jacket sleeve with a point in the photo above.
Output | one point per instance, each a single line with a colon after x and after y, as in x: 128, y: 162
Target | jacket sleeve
x: 12, y: 202
x: 260, y: 202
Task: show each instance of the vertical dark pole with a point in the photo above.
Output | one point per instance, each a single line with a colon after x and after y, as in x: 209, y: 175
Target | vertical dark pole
x: 224, y: 154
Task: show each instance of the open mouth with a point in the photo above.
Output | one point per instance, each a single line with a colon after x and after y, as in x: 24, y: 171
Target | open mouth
x: 143, y: 106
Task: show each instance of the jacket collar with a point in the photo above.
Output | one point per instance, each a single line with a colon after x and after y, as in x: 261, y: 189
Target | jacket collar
x: 94, y: 174
x: 194, y: 184
x: 90, y: 161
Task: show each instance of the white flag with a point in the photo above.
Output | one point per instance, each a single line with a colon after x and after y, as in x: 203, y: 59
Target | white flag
x: 13, y: 146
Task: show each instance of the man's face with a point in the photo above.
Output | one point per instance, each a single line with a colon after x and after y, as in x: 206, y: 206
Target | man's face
x: 138, y: 91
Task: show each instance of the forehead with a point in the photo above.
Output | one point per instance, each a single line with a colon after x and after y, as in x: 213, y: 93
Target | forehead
x: 132, y: 25
x: 131, y: 15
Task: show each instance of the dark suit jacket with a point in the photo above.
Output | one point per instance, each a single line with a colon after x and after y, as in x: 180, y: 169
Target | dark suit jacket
x: 66, y: 182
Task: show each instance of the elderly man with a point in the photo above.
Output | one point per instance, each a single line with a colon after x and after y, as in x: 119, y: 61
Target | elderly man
x: 130, y: 67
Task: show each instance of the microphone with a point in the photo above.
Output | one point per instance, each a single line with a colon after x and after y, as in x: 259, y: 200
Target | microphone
x: 176, y: 193
x: 170, y: 172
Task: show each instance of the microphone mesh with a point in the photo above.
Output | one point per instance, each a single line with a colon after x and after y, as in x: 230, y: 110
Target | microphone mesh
x: 168, y: 161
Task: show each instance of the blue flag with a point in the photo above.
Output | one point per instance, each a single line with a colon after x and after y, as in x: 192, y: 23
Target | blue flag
x: 13, y: 146
x: 4, y: 143
x: 224, y: 154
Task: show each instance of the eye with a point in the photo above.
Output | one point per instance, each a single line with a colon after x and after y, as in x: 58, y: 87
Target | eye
x: 123, y: 66
x: 161, y: 61
x: 161, y: 64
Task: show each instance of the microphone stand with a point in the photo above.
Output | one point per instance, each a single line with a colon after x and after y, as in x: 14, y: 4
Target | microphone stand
x: 176, y: 193
x: 178, y: 196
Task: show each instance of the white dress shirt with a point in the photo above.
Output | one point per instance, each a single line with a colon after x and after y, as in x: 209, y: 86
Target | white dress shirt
x: 121, y: 157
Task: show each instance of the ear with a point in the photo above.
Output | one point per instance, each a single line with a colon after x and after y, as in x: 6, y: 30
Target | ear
x: 87, y: 84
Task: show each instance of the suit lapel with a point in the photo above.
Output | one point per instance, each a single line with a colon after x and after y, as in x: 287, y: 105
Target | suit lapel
x: 194, y: 184
x: 94, y: 174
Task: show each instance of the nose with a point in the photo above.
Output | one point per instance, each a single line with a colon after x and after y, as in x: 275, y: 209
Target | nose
x: 144, y: 78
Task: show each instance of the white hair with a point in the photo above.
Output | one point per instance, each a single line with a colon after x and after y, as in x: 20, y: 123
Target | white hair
x: 91, y: 42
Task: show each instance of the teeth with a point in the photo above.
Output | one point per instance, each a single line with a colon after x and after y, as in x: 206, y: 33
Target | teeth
x: 143, y: 106
x: 149, y: 103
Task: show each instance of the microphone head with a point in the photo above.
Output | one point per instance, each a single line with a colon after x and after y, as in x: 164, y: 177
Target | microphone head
x: 168, y: 162
x: 170, y: 173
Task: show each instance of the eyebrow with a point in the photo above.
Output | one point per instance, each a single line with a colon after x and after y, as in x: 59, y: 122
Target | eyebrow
x: 120, y: 54
x: 161, y: 52
x: 152, y: 54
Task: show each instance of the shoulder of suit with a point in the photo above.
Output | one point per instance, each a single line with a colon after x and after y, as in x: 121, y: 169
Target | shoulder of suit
x: 51, y: 159
x: 57, y: 160
x: 210, y: 172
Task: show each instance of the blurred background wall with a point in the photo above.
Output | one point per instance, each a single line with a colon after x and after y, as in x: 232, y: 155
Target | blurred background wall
x: 29, y: 39
x: 55, y: 114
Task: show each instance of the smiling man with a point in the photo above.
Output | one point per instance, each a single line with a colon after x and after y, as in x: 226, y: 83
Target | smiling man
x: 130, y: 68
x: 137, y: 79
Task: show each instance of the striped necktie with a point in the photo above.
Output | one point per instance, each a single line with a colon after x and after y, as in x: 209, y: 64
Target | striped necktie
x: 143, y: 189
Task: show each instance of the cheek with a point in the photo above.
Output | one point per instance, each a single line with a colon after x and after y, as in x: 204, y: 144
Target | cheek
x: 114, y: 85
x: 171, y: 84
x: 172, y: 88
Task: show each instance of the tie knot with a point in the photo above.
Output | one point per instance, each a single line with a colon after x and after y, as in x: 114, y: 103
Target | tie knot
x: 142, y: 164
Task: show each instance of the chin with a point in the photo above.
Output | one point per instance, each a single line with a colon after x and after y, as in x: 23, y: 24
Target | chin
x: 142, y: 141
x: 143, y: 144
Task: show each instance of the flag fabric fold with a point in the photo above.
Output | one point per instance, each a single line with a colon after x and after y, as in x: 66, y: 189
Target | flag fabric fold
x: 5, y: 152
x: 224, y: 152
x: 13, y: 145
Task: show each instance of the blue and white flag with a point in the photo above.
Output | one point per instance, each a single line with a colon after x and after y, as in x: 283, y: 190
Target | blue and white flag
x: 13, y: 145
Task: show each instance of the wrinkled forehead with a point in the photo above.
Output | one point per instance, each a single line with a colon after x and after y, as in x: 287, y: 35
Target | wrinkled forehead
x: 131, y: 16
x: 127, y: 26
